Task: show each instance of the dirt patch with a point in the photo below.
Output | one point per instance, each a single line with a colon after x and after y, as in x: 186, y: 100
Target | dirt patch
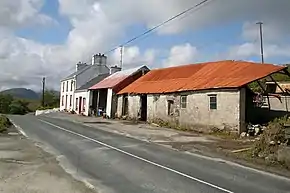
x: 25, y: 168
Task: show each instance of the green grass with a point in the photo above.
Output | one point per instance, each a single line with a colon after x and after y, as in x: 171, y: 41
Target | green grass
x: 4, y: 123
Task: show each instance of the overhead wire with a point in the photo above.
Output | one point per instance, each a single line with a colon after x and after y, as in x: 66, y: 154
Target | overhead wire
x: 159, y: 25
x: 145, y: 34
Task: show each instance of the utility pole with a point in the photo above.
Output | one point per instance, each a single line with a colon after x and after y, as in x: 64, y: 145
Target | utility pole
x: 261, y: 40
x: 43, y: 87
x: 121, y: 56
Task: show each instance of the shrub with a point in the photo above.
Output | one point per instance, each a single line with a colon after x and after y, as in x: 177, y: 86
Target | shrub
x: 271, y: 138
x: 18, y: 107
x: 4, y: 123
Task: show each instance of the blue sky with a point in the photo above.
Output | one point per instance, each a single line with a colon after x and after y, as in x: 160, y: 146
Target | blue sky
x: 48, y: 37
x: 209, y: 39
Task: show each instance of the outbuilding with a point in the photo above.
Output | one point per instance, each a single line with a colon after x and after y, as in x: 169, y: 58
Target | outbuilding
x: 204, y: 95
x: 104, y: 93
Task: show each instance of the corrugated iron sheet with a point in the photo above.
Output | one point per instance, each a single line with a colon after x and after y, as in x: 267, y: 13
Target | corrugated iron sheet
x: 117, y: 78
x: 221, y: 74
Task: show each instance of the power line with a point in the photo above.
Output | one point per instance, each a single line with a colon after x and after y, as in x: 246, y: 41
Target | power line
x: 158, y: 26
x: 146, y: 33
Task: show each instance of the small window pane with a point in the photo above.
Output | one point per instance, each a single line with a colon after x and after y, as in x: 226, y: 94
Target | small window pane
x: 213, y: 102
x: 183, y: 102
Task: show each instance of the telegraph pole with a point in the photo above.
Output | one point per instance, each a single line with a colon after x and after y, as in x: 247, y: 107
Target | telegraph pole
x: 121, y: 56
x: 43, y: 87
x: 261, y: 40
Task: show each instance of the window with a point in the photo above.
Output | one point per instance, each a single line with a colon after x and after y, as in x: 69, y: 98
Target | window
x: 183, y: 101
x: 84, y: 104
x: 170, y: 107
x: 63, y: 86
x: 212, y: 102
x: 71, y: 85
x: 62, y: 101
x: 77, y: 103
x: 70, y: 100
x: 66, y: 86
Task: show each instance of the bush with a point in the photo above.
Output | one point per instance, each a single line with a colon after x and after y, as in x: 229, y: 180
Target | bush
x: 4, y: 123
x: 271, y: 138
x: 18, y: 107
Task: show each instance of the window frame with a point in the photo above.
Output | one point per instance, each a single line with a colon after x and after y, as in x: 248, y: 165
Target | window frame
x: 213, y: 104
x: 71, y: 85
x: 70, y: 100
x: 77, y: 104
x: 182, y: 102
x: 63, y: 86
x: 84, y: 104
x: 62, y: 100
x: 66, y: 86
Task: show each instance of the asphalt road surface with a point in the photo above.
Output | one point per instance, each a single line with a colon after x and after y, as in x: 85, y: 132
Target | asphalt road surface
x: 120, y: 164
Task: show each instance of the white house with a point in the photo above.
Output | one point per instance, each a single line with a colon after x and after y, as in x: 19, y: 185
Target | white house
x: 83, y: 74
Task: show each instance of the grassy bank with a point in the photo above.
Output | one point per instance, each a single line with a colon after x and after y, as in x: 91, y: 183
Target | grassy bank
x: 4, y: 123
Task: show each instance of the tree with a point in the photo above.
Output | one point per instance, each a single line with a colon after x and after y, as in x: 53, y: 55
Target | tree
x: 51, y: 99
x: 5, y: 101
x: 18, y: 107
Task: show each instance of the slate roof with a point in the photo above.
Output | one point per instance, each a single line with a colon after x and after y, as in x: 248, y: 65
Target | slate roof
x: 77, y: 72
x: 92, y: 82
x: 210, y: 75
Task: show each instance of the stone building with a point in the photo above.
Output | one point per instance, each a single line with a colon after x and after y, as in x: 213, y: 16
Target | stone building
x: 213, y: 94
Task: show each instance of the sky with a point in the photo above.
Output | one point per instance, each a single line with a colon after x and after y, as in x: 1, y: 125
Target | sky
x: 48, y: 37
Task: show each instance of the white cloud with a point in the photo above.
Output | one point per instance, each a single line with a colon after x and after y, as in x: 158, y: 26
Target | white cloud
x: 248, y: 50
x: 181, y: 54
x: 132, y: 57
x: 98, y: 25
x: 19, y: 13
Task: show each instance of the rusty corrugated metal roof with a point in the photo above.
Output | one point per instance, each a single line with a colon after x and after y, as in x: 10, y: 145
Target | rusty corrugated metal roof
x: 221, y: 74
x: 116, y: 78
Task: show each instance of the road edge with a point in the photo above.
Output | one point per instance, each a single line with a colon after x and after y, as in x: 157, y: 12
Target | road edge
x: 80, y: 179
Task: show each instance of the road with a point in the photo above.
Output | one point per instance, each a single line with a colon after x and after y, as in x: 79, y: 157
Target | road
x: 120, y: 164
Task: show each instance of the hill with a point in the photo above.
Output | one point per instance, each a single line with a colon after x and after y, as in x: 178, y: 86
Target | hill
x: 22, y: 93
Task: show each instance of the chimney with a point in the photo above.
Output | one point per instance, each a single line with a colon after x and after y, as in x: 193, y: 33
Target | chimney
x: 99, y: 59
x: 115, y: 69
x: 80, y: 66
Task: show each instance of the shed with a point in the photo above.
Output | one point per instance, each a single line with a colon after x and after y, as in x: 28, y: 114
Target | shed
x: 104, y: 92
x: 204, y: 94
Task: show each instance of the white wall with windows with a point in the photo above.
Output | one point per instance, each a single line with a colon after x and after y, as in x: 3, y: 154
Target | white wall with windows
x: 67, y: 95
x: 82, y: 102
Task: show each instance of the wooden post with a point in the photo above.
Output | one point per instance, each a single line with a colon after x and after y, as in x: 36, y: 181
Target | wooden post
x: 265, y: 93
x: 98, y: 101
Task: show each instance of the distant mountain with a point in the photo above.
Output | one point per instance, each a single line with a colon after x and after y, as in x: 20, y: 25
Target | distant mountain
x: 22, y: 93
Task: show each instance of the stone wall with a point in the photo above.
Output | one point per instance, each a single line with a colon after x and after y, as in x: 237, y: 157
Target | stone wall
x: 134, y: 106
x: 197, y: 111
x: 119, y: 106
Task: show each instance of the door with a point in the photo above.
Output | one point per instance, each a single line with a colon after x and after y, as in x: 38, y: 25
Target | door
x: 143, y: 107
x: 125, y: 106
x: 80, y: 105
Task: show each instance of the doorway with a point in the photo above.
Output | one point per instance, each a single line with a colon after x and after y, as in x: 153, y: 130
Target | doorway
x: 125, y: 106
x: 143, y: 107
